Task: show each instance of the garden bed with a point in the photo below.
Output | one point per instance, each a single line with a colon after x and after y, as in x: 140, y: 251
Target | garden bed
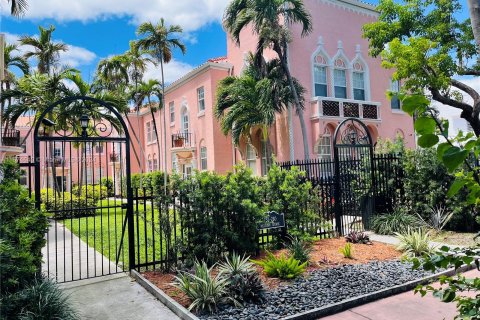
x: 330, y: 278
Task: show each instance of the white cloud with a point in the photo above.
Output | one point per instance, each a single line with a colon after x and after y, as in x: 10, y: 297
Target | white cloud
x: 73, y: 57
x: 190, y: 14
x: 172, y: 70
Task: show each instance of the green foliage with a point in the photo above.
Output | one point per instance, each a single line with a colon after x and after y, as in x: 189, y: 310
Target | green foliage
x: 358, y: 237
x: 108, y: 183
x: 205, y: 292
x: 245, y: 284
x: 22, y: 232
x: 415, y: 242
x: 397, y: 221
x: 40, y: 300
x: 281, y: 267
x: 300, y: 249
x: 94, y: 192
x: 347, y: 251
x: 63, y: 203
x: 288, y: 192
x: 453, y: 289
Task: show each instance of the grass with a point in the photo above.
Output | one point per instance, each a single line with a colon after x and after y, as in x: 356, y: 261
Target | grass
x: 455, y: 238
x: 103, y: 232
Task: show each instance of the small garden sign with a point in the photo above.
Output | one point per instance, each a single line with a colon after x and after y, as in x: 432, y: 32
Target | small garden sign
x: 272, y: 220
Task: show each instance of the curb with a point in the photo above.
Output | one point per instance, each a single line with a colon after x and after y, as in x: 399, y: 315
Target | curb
x: 171, y: 304
x: 370, y: 297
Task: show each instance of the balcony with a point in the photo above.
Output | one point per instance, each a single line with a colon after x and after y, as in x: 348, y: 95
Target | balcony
x: 323, y: 107
x: 183, y: 140
x: 10, y: 138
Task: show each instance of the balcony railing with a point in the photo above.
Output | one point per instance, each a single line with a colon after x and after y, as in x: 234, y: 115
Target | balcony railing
x: 183, y: 140
x: 345, y: 108
x: 10, y: 137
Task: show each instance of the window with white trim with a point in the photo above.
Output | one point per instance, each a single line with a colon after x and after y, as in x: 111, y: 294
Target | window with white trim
x: 201, y: 99
x: 266, y: 157
x: 395, y: 90
x: 251, y: 158
x: 174, y: 163
x: 149, y: 132
x: 340, y: 79
x: 155, y: 162
x: 185, y: 121
x: 57, y: 152
x: 324, y: 146
x: 320, y: 76
x: 358, y: 77
x: 171, y: 107
x: 203, y: 158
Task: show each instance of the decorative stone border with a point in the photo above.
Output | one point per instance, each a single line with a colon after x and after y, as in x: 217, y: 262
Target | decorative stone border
x: 184, y: 314
x: 173, y: 305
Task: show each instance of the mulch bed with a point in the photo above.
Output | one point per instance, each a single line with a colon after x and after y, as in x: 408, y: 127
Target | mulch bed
x: 325, y: 254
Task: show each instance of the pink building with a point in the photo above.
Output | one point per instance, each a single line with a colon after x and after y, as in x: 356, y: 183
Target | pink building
x: 332, y: 63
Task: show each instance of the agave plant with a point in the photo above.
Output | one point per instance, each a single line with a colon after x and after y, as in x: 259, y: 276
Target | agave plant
x: 300, y: 250
x: 415, y: 242
x: 236, y: 265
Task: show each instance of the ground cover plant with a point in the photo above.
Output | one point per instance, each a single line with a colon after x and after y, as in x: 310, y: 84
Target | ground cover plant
x: 415, y: 242
x: 397, y: 221
x: 281, y: 267
x: 347, y: 251
x: 358, y: 237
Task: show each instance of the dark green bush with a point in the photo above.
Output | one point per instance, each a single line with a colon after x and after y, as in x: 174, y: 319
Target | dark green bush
x: 391, y: 223
x: 108, y: 183
x: 95, y: 192
x: 22, y: 232
x: 40, y: 300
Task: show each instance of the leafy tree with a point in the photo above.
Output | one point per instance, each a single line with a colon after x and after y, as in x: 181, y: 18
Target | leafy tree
x: 160, y: 40
x: 270, y: 21
x: 44, y: 49
x: 429, y: 48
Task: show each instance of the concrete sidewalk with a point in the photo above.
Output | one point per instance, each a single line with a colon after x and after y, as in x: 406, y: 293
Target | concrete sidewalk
x: 115, y: 297
x: 404, y: 306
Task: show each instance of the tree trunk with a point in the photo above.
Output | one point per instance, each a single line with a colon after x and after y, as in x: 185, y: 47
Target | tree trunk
x: 298, y: 107
x: 162, y: 106
x: 474, y: 8
x: 154, y: 126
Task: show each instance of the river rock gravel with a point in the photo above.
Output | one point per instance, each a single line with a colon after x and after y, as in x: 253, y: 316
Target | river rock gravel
x: 323, y: 287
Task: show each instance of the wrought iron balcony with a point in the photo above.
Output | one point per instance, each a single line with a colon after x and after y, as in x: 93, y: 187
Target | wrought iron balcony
x: 183, y: 140
x: 345, y: 108
x: 58, y: 161
x: 10, y: 137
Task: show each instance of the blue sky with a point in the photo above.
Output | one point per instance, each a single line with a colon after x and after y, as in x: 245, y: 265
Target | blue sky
x: 96, y: 29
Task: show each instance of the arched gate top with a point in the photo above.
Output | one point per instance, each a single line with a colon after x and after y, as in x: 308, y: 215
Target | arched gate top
x: 352, y: 131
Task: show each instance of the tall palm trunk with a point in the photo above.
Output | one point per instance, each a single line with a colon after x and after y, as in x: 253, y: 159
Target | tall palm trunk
x: 298, y: 106
x: 154, y: 125
x: 164, y: 128
x: 474, y: 8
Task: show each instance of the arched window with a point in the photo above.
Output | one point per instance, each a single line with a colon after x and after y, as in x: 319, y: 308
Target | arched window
x: 340, y: 78
x: 359, y: 81
x: 155, y: 162
x: 323, y: 147
x: 203, y: 158
x: 251, y: 158
x: 320, y: 82
x: 266, y: 156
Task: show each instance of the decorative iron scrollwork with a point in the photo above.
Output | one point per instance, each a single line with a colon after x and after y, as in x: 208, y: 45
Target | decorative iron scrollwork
x: 354, y: 134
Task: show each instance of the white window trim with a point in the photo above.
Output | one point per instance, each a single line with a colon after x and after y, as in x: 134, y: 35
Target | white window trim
x: 341, y: 55
x: 254, y: 159
x: 185, y: 109
x: 170, y: 105
x: 321, y: 51
x: 201, y: 112
x: 366, y: 73
x: 202, y: 147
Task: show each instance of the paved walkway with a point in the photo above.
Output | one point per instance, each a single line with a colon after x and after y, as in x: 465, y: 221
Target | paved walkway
x: 404, y: 306
x: 115, y: 297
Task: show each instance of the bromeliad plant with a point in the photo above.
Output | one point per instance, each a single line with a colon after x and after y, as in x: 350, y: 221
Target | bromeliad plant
x: 281, y: 267
x: 300, y: 249
x: 358, y: 237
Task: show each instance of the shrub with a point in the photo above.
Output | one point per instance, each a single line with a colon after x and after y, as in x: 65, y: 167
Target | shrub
x: 205, y: 292
x: 108, y: 183
x: 244, y: 283
x: 397, y: 221
x: 95, y: 192
x: 439, y: 217
x: 358, y: 237
x: 42, y: 300
x: 66, y: 204
x: 347, y: 251
x: 415, y: 243
x: 300, y: 249
x: 281, y: 267
x: 22, y: 232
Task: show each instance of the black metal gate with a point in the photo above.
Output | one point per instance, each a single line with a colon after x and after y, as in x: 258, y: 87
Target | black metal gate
x: 354, y: 176
x: 82, y: 181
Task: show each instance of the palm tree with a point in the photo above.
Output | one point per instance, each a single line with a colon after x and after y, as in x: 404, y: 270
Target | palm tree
x: 270, y: 21
x: 112, y: 73
x: 18, y: 7
x: 44, y: 49
x: 10, y: 61
x: 145, y: 90
x: 160, y: 40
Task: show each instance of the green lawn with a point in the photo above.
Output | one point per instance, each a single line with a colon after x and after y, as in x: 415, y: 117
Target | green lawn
x: 103, y: 232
